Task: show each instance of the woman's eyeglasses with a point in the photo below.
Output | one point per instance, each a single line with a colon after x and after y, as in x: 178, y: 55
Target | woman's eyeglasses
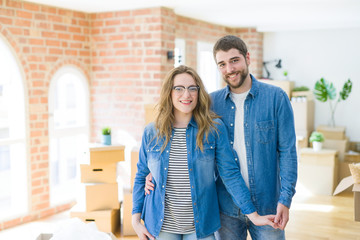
x: 180, y: 90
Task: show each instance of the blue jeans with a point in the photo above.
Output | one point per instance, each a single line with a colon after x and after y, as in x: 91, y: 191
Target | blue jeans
x: 236, y: 229
x: 174, y: 236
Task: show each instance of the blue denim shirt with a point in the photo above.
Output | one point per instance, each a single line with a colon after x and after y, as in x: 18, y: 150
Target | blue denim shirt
x: 270, y: 146
x: 216, y: 153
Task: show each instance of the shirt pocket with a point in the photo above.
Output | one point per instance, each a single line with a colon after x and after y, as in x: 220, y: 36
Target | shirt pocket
x: 208, y: 153
x: 154, y: 154
x: 265, y: 131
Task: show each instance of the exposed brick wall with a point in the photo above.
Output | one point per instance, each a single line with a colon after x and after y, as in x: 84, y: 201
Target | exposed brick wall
x: 122, y: 54
x: 129, y: 61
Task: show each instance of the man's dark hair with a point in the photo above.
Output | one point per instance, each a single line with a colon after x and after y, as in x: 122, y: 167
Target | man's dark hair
x: 228, y: 42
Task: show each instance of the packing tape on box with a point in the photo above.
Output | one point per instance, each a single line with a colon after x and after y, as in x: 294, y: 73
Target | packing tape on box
x: 355, y: 172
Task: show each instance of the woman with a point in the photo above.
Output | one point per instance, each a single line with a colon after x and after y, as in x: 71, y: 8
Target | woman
x: 181, y: 150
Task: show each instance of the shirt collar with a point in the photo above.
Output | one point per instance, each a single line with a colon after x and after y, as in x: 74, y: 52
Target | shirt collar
x: 254, y: 90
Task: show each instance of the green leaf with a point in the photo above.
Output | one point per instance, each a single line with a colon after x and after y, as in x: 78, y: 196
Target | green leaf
x: 324, y: 91
x: 344, y: 94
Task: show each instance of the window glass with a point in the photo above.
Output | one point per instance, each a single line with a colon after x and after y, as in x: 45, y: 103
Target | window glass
x: 68, y: 130
x: 13, y: 162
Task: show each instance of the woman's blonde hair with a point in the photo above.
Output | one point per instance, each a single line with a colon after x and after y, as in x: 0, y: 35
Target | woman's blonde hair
x: 202, y: 114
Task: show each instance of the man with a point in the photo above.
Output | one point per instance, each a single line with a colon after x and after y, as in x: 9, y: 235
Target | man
x: 260, y: 123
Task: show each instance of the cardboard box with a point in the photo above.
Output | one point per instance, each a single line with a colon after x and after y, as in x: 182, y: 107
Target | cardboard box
x: 342, y: 146
x: 127, y: 229
x: 150, y: 113
x: 335, y: 133
x: 352, y: 157
x: 48, y: 236
x: 318, y: 171
x: 134, y: 161
x: 44, y: 236
x: 105, y: 220
x: 101, y: 196
x: 302, y: 139
x: 303, y: 115
x: 101, y: 154
x: 98, y: 173
x: 307, y: 94
x: 355, y: 182
x: 287, y: 86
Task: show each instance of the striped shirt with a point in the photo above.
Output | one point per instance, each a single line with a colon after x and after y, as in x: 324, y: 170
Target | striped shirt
x: 179, y: 216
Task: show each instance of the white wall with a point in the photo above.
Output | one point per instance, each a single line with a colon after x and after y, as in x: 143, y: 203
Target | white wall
x: 310, y: 55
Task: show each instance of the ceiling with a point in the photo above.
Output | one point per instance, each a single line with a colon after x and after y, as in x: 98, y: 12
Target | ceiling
x: 265, y: 15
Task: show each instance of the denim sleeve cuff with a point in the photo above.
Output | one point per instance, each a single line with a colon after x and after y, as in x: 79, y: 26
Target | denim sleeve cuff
x: 285, y: 201
x: 247, y: 208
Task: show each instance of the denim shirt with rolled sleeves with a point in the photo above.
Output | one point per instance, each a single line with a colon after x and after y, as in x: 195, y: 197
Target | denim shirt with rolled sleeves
x: 217, y: 153
x: 270, y: 143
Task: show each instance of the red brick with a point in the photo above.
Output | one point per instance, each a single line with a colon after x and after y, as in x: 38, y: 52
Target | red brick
x: 16, y: 31
x: 55, y: 43
x: 71, y: 52
x: 22, y: 23
x: 5, y: 20
x: 74, y: 29
x: 79, y: 38
x: 56, y: 51
x: 24, y: 14
x: 7, y: 12
x: 13, y: 3
x: 31, y: 6
x: 55, y: 18
x: 58, y: 27
x: 49, y: 34
x: 41, y: 50
x: 64, y: 36
x: 36, y: 41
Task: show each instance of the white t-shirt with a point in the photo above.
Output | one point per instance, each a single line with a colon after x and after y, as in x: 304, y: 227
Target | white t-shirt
x: 239, y: 138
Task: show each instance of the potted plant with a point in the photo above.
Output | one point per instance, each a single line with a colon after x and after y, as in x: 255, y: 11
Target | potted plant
x: 316, y: 138
x: 325, y: 91
x: 106, y: 136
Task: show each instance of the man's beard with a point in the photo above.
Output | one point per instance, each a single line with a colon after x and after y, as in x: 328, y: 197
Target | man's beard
x: 243, y: 76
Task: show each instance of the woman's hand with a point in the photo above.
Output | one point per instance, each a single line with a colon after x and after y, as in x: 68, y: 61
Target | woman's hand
x: 148, y: 184
x: 258, y: 220
x: 140, y: 229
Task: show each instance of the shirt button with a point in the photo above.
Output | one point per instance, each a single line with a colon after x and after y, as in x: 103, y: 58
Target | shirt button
x: 246, y: 124
x: 189, y: 152
x: 231, y: 124
x: 232, y: 107
x: 197, y: 221
x: 167, y: 151
x: 231, y: 143
x: 192, y: 186
x: 194, y: 203
x: 161, y: 220
x: 165, y: 168
x: 247, y: 144
x: 163, y: 186
x: 235, y: 159
x: 190, y: 169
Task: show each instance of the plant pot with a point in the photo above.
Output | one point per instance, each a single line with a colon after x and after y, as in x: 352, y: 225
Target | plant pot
x: 317, y: 146
x: 106, y: 139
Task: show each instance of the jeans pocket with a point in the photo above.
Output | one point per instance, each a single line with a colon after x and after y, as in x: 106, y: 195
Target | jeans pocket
x: 265, y: 131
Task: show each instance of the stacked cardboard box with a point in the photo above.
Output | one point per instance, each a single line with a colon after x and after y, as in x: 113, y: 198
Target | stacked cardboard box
x: 335, y: 138
x: 304, y: 120
x: 127, y: 229
x: 318, y: 171
x: 287, y: 86
x: 100, y: 189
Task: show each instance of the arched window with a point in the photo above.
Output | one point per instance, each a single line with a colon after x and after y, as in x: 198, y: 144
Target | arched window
x: 68, y: 132
x: 13, y: 157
